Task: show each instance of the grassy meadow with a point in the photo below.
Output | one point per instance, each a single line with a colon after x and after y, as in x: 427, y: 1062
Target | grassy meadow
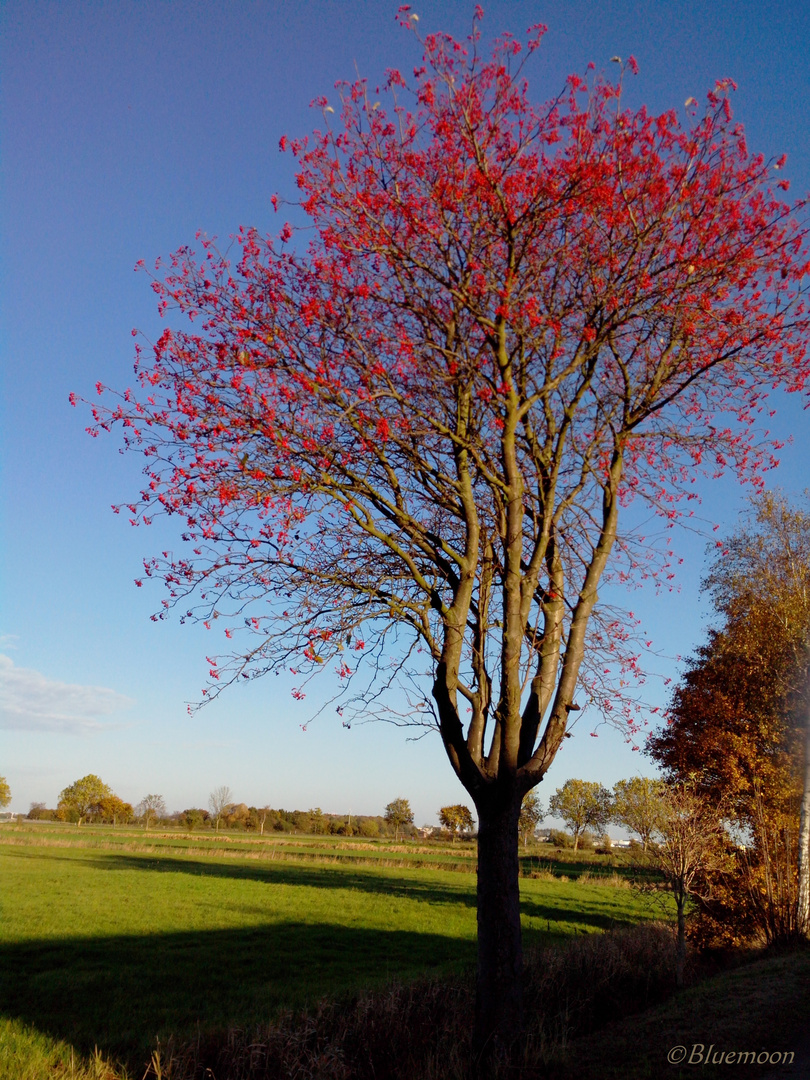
x: 111, y: 939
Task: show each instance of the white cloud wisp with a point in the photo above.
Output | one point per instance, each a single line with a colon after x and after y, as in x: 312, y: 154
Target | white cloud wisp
x: 29, y: 701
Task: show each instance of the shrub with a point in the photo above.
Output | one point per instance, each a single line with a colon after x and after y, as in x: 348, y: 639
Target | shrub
x: 560, y: 839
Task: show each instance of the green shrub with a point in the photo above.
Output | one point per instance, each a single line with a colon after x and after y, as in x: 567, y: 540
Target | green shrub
x: 560, y: 839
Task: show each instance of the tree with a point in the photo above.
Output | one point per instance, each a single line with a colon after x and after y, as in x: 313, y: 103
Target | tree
x: 582, y: 805
x: 404, y: 449
x: 456, y: 819
x: 637, y: 805
x: 111, y: 810
x: 739, y: 720
x: 763, y: 582
x: 317, y: 822
x: 690, y: 850
x: 5, y: 792
x: 218, y: 802
x: 399, y: 813
x: 151, y: 806
x: 194, y: 818
x: 531, y: 814
x: 81, y: 798
x: 261, y: 818
x: 739, y: 717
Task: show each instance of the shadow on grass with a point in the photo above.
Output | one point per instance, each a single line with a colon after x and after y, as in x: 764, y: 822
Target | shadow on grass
x: 120, y: 993
x: 591, y: 914
x: 418, y: 887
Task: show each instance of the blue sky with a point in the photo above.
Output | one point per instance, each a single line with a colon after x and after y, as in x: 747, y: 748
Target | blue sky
x: 125, y: 128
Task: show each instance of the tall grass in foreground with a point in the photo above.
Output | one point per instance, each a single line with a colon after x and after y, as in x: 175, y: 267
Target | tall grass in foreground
x: 421, y: 1031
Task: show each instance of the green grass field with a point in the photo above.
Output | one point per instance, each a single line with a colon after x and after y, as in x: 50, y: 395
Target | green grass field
x: 114, y: 938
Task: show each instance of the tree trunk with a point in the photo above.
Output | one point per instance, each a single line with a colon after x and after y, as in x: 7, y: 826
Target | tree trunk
x: 499, y: 984
x: 803, y: 914
x: 680, y: 948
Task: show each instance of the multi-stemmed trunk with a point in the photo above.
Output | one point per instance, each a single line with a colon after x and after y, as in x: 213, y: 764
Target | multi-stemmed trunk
x: 499, y: 984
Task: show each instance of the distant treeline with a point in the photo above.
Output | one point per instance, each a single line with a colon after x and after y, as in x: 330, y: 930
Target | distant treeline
x: 245, y: 818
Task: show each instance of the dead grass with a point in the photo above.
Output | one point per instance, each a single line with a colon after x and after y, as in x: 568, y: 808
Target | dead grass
x: 421, y: 1031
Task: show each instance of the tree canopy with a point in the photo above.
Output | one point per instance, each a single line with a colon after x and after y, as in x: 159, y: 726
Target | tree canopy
x: 218, y: 801
x: 151, y: 806
x: 5, y: 792
x: 531, y: 814
x: 399, y: 813
x: 457, y: 818
x: 582, y: 804
x: 637, y: 805
x: 738, y: 722
x: 83, y: 796
x: 402, y: 450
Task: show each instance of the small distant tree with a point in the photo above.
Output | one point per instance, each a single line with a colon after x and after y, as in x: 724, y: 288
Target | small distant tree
x: 218, y: 802
x: 317, y: 822
x: 456, y: 819
x: 690, y: 849
x: 80, y: 798
x: 637, y: 805
x: 113, y: 810
x: 194, y: 818
x: 399, y: 813
x: 582, y: 805
x: 531, y: 814
x: 5, y: 792
x: 151, y: 806
x: 237, y: 816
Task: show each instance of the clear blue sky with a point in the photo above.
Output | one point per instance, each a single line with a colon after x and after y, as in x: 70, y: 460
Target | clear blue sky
x: 126, y: 126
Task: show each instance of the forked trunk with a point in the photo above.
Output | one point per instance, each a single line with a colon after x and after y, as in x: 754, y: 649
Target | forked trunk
x: 499, y: 985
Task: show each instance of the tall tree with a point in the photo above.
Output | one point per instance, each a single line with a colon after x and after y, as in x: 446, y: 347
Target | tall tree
x: 582, y: 805
x: 399, y: 813
x: 151, y: 806
x: 83, y: 796
x: 531, y: 814
x: 5, y: 792
x: 762, y: 586
x: 690, y: 850
x: 637, y: 805
x: 412, y: 439
x: 739, y: 717
x: 218, y: 801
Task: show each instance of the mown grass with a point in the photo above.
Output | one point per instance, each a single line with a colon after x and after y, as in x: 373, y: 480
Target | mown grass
x: 459, y: 856
x: 112, y: 939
